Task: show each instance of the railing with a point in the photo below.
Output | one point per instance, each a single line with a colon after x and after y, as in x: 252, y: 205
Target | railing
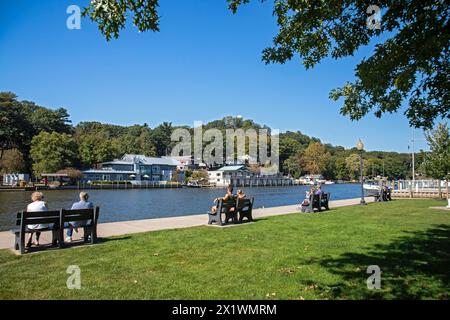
x: 420, y: 185
x: 124, y: 185
x: 420, y: 188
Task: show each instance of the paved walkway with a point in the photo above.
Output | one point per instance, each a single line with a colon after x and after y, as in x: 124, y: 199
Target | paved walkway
x: 110, y: 229
x: 441, y: 208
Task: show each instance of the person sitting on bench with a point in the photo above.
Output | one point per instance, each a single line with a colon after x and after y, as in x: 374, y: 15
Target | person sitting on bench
x: 36, y: 206
x: 241, y: 195
x: 229, y: 195
x: 318, y: 191
x: 305, y: 203
x: 82, y: 204
x: 308, y: 194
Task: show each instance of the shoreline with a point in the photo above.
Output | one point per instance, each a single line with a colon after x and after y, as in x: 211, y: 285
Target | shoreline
x: 120, y: 228
x: 144, y: 187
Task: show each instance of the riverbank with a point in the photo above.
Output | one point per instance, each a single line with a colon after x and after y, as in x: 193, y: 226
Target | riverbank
x: 110, y: 186
x: 141, y: 204
x: 138, y: 226
x: 294, y: 256
x: 123, y: 186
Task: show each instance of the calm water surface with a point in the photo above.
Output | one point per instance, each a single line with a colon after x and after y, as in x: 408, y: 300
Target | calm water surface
x: 122, y: 205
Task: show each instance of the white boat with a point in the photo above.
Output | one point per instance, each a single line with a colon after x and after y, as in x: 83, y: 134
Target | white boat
x: 193, y: 184
x: 329, y: 182
x: 372, y: 188
x: 368, y: 186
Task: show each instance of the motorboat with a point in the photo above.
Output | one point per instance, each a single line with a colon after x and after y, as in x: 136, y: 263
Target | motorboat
x: 193, y: 184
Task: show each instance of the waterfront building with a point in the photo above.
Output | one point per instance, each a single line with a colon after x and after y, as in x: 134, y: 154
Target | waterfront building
x: 187, y: 163
x: 240, y: 175
x: 13, y: 179
x: 137, y: 169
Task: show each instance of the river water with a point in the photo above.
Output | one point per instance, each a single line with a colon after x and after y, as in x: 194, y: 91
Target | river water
x: 122, y: 205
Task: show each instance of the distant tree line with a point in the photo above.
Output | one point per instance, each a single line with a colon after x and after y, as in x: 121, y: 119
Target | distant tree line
x: 36, y: 139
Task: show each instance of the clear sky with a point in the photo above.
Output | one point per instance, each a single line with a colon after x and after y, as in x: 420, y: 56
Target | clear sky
x: 204, y: 64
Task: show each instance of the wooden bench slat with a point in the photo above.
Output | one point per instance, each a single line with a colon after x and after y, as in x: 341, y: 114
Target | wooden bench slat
x: 45, y: 220
x: 42, y: 214
x: 77, y: 217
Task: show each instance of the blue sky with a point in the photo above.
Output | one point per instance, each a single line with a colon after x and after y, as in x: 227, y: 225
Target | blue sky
x: 204, y: 64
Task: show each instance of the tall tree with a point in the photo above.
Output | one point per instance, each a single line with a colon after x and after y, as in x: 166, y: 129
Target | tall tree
x: 52, y: 152
x: 292, y: 166
x: 20, y: 121
x: 12, y: 162
x: 341, y: 171
x: 314, y: 158
x: 44, y: 119
x: 162, y: 138
x: 352, y: 163
x: 288, y: 147
x: 410, y: 62
x: 437, y: 161
x: 15, y: 130
x: 95, y: 149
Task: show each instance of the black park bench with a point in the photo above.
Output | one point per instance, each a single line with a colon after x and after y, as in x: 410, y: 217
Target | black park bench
x: 317, y: 202
x: 84, y: 218
x: 380, y: 195
x: 226, y: 207
x: 55, y: 221
x: 245, y: 208
x: 49, y: 220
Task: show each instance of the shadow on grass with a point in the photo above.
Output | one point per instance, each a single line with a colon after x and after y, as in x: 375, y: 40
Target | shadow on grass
x: 74, y: 244
x: 79, y: 243
x: 105, y: 240
x: 416, y: 266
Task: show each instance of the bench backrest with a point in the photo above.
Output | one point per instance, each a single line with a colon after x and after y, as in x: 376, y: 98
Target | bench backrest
x: 325, y: 196
x: 40, y: 217
x: 80, y: 215
x: 224, y: 206
x: 245, y: 203
x: 314, y: 198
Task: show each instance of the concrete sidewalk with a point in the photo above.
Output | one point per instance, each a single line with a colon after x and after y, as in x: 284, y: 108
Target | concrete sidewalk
x: 137, y: 226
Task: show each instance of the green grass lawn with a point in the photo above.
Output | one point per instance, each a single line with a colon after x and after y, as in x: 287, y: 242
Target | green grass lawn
x: 298, y: 256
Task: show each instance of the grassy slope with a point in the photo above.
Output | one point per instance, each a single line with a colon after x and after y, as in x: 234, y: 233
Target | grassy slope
x: 297, y: 256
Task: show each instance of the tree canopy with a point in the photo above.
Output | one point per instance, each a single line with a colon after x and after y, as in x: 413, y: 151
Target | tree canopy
x: 20, y: 121
x: 437, y: 161
x: 52, y: 152
x: 409, y: 66
x: 88, y: 144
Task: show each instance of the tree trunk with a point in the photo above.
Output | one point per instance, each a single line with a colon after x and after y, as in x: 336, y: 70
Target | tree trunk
x: 440, y: 189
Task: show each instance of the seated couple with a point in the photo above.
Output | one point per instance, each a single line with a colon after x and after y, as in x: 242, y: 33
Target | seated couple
x: 38, y: 205
x: 314, y: 190
x: 229, y: 195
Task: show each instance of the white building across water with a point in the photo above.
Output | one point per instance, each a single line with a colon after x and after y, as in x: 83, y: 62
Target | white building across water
x: 136, y: 168
x: 13, y: 179
x: 242, y: 176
